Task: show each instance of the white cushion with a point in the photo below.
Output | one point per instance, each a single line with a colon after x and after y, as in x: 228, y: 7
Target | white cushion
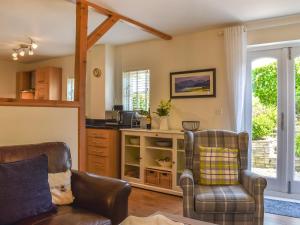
x: 60, y: 187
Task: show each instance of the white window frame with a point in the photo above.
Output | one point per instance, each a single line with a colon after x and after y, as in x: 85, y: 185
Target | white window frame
x: 126, y: 89
x: 70, y: 89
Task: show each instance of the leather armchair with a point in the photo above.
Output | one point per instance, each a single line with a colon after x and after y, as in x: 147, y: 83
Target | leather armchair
x: 102, y: 195
x: 98, y: 200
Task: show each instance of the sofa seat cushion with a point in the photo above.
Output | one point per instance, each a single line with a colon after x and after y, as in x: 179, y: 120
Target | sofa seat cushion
x: 67, y: 215
x: 223, y: 199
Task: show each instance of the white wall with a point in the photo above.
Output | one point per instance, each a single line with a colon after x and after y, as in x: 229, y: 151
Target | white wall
x: 8, y: 70
x: 199, y: 50
x: 274, y: 34
x: 109, y: 77
x: 95, y: 89
x: 28, y: 125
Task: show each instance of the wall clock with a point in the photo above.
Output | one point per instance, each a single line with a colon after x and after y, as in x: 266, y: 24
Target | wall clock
x: 97, y: 72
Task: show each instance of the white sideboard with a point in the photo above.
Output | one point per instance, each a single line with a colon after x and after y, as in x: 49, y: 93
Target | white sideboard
x: 140, y: 150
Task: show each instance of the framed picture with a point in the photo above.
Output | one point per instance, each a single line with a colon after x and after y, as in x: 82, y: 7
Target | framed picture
x: 193, y: 84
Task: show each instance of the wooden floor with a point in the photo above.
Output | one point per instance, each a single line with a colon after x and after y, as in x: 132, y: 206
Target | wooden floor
x: 145, y: 203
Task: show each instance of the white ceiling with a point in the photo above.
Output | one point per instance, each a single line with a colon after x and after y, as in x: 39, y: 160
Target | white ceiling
x: 52, y: 22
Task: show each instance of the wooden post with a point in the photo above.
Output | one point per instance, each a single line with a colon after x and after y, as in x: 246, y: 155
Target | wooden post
x: 83, y: 43
x: 80, y: 77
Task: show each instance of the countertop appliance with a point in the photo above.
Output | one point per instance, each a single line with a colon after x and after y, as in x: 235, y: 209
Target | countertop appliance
x: 123, y: 119
x: 116, y: 112
x: 129, y: 118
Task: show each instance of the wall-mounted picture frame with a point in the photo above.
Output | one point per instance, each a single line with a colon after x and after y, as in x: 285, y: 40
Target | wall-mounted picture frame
x: 193, y: 84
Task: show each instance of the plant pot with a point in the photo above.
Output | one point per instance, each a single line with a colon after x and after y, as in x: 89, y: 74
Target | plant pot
x: 163, y: 123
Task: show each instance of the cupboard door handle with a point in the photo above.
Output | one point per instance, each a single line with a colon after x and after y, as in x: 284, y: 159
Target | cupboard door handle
x: 282, y: 121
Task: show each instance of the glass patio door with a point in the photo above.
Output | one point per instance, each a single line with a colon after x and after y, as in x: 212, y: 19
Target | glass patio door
x: 266, y: 110
x: 294, y: 121
x: 274, y: 111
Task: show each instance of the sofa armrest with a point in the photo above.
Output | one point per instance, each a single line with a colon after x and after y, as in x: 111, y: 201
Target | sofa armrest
x: 102, y: 195
x: 187, y: 184
x: 255, y: 185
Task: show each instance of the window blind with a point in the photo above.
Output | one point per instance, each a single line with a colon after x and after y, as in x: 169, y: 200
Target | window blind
x: 136, y: 88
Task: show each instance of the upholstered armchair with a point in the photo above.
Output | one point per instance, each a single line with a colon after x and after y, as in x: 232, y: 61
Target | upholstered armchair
x: 241, y: 204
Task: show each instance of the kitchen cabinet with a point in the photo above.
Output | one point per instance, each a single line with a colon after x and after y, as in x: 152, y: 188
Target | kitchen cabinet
x: 43, y: 84
x: 103, y: 152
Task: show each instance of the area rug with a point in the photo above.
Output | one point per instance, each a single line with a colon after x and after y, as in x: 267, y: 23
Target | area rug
x: 283, y: 208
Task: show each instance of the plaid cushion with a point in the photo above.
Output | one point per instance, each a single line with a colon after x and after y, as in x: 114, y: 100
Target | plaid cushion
x: 218, y: 166
x: 223, y: 199
x: 214, y: 138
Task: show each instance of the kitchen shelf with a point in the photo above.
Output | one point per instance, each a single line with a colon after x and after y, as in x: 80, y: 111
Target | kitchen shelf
x: 159, y: 148
x: 148, y: 151
x: 159, y: 168
x: 132, y: 164
x: 133, y: 146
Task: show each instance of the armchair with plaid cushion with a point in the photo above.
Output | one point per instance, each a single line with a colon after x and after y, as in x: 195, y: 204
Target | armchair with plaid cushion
x: 240, y: 204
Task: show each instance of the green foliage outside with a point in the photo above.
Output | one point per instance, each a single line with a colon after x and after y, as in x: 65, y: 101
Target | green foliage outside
x: 264, y: 120
x: 264, y: 80
x: 140, y: 102
x: 298, y: 145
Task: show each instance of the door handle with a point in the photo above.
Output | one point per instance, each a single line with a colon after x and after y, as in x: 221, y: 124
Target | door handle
x: 282, y: 121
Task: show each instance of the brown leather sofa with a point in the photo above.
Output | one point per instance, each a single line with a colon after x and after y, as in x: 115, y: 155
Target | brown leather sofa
x: 98, y: 200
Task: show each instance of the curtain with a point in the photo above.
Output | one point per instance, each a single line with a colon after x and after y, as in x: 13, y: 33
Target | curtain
x: 236, y: 61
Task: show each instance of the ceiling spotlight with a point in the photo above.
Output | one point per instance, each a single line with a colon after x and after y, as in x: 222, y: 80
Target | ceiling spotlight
x: 34, y: 45
x: 30, y: 52
x: 22, y: 52
x: 15, y: 54
x: 15, y: 58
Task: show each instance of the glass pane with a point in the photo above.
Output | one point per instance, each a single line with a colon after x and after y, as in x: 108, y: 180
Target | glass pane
x: 132, y: 156
x: 297, y: 119
x: 264, y: 116
x: 70, y: 89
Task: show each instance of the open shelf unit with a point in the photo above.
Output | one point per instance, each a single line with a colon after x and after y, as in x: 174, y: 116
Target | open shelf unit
x: 132, y: 157
x: 143, y: 150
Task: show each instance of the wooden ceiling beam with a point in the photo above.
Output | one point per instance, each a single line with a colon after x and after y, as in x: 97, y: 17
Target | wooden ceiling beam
x: 101, y: 30
x: 130, y: 21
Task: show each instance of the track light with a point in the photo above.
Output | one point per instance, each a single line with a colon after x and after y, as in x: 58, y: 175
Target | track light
x: 24, y: 48
x: 34, y: 45
x: 15, y: 54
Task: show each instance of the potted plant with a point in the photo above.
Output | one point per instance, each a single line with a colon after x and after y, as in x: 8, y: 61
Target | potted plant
x: 163, y: 111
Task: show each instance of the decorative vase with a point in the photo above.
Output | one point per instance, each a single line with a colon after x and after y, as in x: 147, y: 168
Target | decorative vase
x: 163, y: 123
